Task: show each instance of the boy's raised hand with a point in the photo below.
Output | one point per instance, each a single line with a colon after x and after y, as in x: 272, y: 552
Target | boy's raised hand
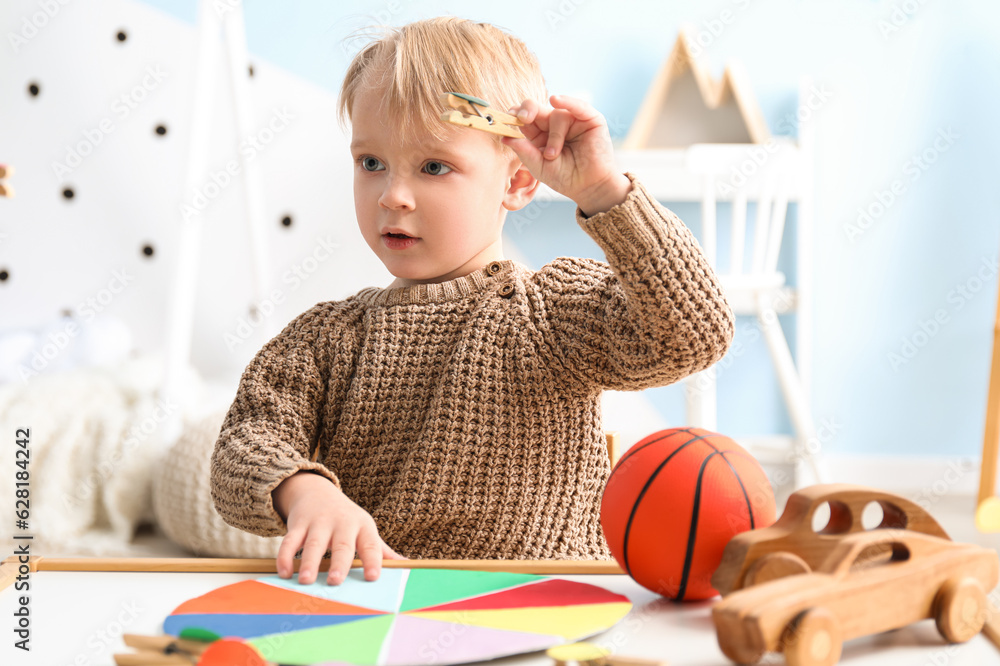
x: 569, y: 149
x: 320, y: 517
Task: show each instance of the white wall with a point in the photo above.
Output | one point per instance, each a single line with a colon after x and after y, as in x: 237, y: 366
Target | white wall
x: 896, y: 74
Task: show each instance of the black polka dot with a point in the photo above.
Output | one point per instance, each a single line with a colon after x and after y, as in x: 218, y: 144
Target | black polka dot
x: 122, y: 36
x: 4, y: 275
x: 161, y: 129
x: 68, y: 193
x: 66, y: 312
x: 286, y: 221
x: 33, y: 89
x: 147, y: 250
x: 250, y: 68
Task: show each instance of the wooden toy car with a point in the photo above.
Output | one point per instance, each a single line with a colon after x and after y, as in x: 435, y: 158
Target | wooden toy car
x: 869, y: 582
x: 791, y: 545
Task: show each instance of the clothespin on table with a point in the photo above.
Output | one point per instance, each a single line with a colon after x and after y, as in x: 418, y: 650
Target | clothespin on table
x: 201, y: 649
x: 588, y: 654
x: 469, y: 111
x: 5, y: 189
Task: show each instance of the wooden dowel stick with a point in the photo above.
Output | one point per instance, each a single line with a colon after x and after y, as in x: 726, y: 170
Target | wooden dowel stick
x: 148, y: 659
x: 268, y: 565
x: 991, y: 432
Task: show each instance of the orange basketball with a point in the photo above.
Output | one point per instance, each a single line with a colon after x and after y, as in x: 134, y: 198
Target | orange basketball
x: 674, y: 501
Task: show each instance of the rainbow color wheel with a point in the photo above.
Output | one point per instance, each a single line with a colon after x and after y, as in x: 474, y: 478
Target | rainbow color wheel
x: 408, y: 617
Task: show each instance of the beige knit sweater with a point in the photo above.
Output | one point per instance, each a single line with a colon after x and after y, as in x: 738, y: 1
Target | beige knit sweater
x: 464, y: 416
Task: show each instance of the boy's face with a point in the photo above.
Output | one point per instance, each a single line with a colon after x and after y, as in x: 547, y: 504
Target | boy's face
x: 449, y: 196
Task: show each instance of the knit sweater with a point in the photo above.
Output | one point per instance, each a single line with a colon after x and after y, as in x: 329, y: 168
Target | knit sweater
x: 464, y: 415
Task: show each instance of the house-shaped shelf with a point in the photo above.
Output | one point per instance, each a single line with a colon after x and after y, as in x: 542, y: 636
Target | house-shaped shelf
x: 685, y: 105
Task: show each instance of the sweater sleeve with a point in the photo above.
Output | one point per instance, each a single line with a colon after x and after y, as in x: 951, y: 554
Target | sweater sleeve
x: 272, y: 426
x: 654, y: 314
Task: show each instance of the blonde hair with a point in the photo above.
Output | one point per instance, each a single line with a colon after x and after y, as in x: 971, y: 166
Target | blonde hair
x: 412, y: 65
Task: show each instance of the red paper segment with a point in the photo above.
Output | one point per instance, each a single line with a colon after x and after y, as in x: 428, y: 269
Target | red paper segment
x: 250, y: 596
x: 556, y: 592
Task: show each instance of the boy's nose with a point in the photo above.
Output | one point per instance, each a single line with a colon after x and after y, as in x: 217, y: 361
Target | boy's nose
x: 397, y: 194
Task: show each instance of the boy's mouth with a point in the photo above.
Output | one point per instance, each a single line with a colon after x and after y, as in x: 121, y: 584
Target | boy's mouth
x: 397, y: 240
x: 395, y: 232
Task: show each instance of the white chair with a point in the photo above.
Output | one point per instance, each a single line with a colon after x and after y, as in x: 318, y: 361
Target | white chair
x: 757, y: 289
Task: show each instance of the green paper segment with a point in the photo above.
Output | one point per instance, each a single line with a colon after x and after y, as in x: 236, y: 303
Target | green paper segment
x: 357, y: 642
x: 430, y: 587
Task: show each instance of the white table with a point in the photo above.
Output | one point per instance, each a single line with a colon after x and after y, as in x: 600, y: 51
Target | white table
x: 77, y: 619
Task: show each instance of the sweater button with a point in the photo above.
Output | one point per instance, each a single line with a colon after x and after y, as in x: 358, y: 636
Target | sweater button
x: 506, y: 290
x: 493, y: 268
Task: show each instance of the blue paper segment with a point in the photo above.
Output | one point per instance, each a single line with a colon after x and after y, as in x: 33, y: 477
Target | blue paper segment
x: 383, y: 594
x: 253, y: 625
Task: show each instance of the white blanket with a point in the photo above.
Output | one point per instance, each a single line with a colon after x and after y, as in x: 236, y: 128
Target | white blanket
x: 93, y: 442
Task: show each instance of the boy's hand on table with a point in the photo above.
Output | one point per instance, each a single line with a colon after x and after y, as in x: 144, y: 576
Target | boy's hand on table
x: 321, y: 516
x: 569, y: 149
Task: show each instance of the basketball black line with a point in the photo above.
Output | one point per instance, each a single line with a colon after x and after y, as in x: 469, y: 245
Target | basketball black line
x: 746, y: 455
x: 635, y: 449
x: 746, y: 498
x: 618, y: 465
x: 693, y: 530
x: 642, y: 493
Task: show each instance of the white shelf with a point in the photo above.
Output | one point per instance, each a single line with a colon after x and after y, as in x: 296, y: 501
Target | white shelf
x: 665, y: 174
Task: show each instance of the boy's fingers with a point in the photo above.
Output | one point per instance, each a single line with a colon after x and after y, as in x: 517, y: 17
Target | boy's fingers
x: 559, y: 123
x: 526, y: 151
x: 526, y: 111
x: 286, y: 553
x: 390, y: 554
x: 370, y: 552
x: 312, y: 554
x: 530, y: 132
x: 580, y: 109
x: 532, y: 112
x: 341, y: 557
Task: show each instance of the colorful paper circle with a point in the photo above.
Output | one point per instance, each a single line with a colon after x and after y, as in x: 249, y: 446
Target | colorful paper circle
x: 408, y: 617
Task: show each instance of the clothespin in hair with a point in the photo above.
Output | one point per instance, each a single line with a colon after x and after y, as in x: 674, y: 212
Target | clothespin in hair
x: 469, y: 111
x: 5, y: 189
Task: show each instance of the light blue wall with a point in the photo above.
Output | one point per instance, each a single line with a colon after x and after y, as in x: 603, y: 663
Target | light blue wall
x: 896, y: 74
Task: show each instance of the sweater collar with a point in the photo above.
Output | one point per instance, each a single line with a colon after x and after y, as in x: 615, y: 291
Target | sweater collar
x: 439, y: 292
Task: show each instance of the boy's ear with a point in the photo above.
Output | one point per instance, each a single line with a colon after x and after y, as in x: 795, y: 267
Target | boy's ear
x: 521, y: 190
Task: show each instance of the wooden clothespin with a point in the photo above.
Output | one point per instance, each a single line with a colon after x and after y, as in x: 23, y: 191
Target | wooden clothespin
x: 588, y: 654
x: 160, y: 650
x: 469, y: 111
x: 200, y: 649
x: 5, y: 189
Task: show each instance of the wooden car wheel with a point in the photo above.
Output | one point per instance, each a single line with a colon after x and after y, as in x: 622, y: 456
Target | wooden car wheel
x: 960, y: 609
x: 813, y: 639
x: 773, y: 566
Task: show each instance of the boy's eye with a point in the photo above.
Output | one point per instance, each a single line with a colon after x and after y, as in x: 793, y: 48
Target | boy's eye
x: 435, y: 168
x: 369, y: 163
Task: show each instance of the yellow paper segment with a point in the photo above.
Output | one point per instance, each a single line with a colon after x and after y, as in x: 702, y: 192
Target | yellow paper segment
x: 577, y: 652
x: 570, y: 622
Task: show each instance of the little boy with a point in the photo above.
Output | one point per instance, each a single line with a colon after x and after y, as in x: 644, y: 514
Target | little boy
x: 456, y: 413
